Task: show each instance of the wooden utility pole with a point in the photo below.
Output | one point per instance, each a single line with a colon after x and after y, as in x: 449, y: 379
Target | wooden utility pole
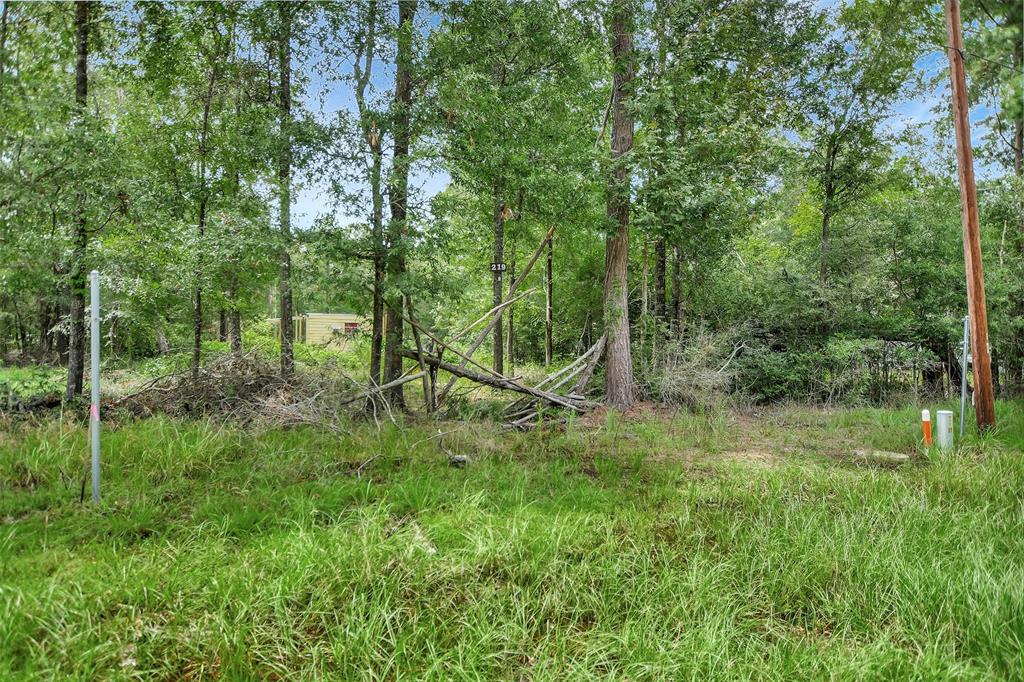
x: 984, y: 403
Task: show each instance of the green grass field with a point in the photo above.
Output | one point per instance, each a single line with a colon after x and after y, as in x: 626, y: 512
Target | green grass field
x: 665, y: 547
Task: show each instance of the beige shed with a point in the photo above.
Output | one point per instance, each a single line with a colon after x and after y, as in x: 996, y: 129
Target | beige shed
x: 321, y: 329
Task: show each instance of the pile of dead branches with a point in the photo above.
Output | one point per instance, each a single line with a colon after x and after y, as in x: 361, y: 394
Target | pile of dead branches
x: 247, y: 389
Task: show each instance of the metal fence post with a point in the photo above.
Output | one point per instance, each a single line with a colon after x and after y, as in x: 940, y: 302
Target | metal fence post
x: 963, y: 373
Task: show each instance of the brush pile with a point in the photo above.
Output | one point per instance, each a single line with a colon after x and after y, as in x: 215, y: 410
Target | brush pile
x: 246, y: 389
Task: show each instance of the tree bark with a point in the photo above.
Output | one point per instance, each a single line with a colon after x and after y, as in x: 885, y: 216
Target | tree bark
x: 398, y: 191
x: 660, y: 250
x: 80, y: 240
x: 197, y: 295
x: 826, y: 237
x: 677, y: 291
x: 363, y: 70
x: 4, y: 13
x: 496, y: 286
x: 1018, y: 122
x: 45, y: 346
x: 222, y: 325
x: 284, y: 171
x: 161, y: 338
x: 827, y: 211
x: 234, y: 316
x: 1014, y: 356
x: 619, y: 389
x: 549, y: 293
x: 511, y: 313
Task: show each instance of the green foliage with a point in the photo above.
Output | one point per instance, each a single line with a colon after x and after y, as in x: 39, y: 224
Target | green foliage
x: 23, y: 384
x: 772, y: 165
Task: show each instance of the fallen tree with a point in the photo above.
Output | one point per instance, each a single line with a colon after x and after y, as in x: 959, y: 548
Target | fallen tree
x: 575, y: 403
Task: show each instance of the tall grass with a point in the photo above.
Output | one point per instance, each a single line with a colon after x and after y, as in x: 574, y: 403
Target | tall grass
x: 639, y: 550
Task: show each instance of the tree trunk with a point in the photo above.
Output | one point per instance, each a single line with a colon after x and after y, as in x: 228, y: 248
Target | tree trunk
x: 827, y: 211
x: 1018, y: 122
x: 161, y: 338
x: 234, y: 316
x: 676, y: 323
x: 284, y: 170
x: 363, y: 70
x: 76, y: 345
x: 377, y: 325
x: 19, y: 328
x: 4, y: 13
x: 619, y: 368
x: 496, y: 289
x: 222, y: 325
x: 511, y: 315
x: 997, y: 388
x: 549, y: 291
x: 60, y: 339
x: 826, y: 225
x: 197, y: 295
x: 660, y: 249
x: 398, y: 190
x: 45, y: 346
x: 1014, y: 356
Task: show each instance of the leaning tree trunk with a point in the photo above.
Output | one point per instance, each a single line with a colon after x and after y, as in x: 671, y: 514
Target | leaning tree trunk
x: 76, y: 345
x: 619, y: 361
x: 398, y: 191
x: 284, y: 171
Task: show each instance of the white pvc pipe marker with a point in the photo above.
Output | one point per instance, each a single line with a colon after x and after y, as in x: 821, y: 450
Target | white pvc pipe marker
x: 944, y: 429
x: 94, y: 408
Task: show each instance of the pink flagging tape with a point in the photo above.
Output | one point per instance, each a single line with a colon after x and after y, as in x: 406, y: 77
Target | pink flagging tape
x: 94, y: 410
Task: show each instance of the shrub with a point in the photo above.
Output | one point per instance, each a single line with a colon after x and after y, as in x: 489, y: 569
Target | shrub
x: 694, y: 370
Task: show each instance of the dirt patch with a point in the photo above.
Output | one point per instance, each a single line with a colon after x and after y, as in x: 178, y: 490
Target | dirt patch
x: 752, y: 455
x: 641, y: 411
x: 757, y: 456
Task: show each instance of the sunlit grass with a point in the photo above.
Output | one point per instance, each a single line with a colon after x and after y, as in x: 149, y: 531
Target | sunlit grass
x: 644, y: 549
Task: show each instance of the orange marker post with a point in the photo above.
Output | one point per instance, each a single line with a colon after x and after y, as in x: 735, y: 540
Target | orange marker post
x: 926, y: 427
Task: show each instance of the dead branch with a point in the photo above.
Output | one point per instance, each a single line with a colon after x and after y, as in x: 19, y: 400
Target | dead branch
x: 501, y: 383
